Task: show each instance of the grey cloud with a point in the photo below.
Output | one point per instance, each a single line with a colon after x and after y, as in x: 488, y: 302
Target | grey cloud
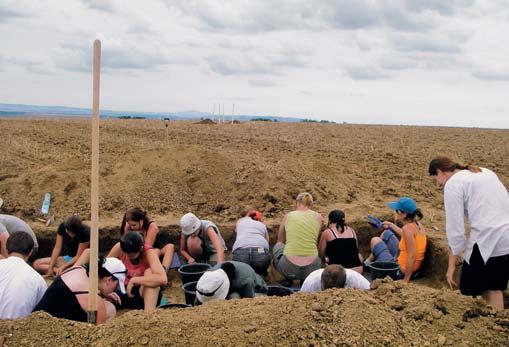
x: 101, y: 5
x: 491, y: 75
x: 13, y: 11
x: 262, y: 82
x: 313, y: 14
x: 366, y: 73
x: 30, y: 65
x: 444, y: 7
x: 394, y: 62
x: 115, y: 57
x: 422, y: 43
x: 227, y: 65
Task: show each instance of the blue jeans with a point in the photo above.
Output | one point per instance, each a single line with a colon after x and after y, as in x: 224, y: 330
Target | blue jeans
x: 388, y: 250
x: 257, y: 257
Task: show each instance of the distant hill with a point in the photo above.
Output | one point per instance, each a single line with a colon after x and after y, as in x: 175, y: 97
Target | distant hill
x: 18, y: 110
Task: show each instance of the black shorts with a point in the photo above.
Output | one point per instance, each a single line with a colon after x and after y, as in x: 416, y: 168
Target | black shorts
x: 136, y: 302
x: 478, y: 277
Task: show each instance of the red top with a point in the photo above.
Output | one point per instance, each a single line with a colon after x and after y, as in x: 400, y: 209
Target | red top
x: 135, y: 269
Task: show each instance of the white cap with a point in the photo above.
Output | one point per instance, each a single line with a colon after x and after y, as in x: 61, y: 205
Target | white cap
x: 189, y: 223
x: 212, y: 285
x: 118, y: 270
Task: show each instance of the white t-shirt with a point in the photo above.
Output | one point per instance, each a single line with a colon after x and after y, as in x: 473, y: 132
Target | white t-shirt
x: 250, y: 233
x: 483, y: 200
x: 21, y: 288
x: 354, y: 280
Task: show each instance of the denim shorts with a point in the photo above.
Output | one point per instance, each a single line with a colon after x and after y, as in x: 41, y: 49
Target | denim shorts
x: 257, y: 257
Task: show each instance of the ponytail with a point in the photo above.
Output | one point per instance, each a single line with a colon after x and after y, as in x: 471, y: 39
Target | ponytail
x: 445, y: 164
x: 305, y: 199
x: 337, y: 217
x: 414, y: 217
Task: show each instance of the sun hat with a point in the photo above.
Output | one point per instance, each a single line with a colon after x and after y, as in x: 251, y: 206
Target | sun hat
x: 118, y: 270
x: 189, y: 223
x: 405, y: 204
x: 212, y: 285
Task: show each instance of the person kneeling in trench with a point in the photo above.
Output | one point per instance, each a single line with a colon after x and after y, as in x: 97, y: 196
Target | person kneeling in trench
x: 145, y: 273
x: 67, y: 297
x: 229, y: 280
x: 334, y: 276
x: 201, y: 240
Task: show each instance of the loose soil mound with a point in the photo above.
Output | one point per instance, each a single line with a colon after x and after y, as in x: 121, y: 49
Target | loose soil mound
x: 389, y: 315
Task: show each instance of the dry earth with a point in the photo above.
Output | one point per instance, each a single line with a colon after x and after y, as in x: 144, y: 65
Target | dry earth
x: 216, y: 171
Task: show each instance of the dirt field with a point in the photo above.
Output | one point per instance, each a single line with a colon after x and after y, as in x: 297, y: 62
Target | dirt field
x: 216, y: 171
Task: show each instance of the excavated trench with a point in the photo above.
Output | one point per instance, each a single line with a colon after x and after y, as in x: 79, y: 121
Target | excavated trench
x: 435, y: 263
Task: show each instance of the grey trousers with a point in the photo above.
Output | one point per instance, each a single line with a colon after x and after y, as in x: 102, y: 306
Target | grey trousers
x: 288, y: 269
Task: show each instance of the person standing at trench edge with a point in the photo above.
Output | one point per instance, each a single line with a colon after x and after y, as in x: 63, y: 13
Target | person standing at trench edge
x: 477, y: 194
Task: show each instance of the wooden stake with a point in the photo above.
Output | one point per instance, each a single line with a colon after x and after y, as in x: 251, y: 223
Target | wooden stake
x: 94, y: 201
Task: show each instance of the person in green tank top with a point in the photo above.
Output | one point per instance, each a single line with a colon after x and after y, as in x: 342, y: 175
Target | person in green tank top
x: 296, y: 254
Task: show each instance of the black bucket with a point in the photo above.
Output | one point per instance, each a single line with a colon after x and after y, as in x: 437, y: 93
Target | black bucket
x: 190, y: 292
x: 192, y: 272
x: 279, y: 291
x: 382, y: 269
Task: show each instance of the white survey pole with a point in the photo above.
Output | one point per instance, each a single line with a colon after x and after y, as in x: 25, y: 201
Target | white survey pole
x: 94, y: 198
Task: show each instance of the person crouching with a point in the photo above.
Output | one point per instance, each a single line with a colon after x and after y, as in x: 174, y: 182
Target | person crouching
x: 229, y: 280
x: 67, y: 297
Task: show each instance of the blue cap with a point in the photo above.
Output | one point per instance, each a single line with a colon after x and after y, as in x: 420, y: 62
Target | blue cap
x: 406, y: 205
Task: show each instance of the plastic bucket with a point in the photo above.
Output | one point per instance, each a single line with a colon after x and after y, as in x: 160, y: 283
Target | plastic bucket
x: 192, y: 272
x: 190, y: 292
x: 382, y: 269
x: 279, y: 291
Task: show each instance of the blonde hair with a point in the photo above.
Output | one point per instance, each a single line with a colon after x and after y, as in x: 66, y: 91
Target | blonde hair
x: 305, y: 199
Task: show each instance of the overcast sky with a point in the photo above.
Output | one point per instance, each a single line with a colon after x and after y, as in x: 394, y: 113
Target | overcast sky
x: 430, y: 62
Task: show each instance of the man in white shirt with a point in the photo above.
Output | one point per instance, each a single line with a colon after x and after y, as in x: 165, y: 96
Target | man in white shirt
x: 478, y: 195
x: 334, y: 276
x: 21, y: 287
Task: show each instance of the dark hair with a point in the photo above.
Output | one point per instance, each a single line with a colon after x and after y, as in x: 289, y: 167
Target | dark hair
x: 135, y: 214
x: 445, y: 164
x: 337, y: 217
x: 333, y: 276
x: 73, y: 224
x: 101, y: 270
x: 229, y: 268
x: 20, y: 242
x: 417, y: 215
x: 131, y: 242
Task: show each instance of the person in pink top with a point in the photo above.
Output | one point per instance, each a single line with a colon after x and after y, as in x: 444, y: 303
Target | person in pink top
x: 145, y: 273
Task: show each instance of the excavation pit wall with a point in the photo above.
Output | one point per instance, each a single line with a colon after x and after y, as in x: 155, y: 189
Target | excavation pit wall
x: 435, y: 263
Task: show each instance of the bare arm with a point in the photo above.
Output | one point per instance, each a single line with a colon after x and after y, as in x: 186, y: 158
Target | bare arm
x: 84, y: 258
x: 217, y: 244
x: 152, y: 232
x: 55, y: 254
x: 322, y: 244
x: 451, y: 268
x: 393, y: 227
x: 3, y: 243
x: 115, y: 252
x: 183, y: 249
x: 81, y: 247
x: 408, y: 237
x: 281, y: 235
x: 157, y: 277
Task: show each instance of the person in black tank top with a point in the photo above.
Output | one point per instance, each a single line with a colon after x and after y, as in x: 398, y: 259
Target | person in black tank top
x: 61, y: 301
x: 335, y: 249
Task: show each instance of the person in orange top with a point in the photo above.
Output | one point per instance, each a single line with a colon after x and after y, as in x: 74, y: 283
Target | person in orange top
x: 409, y: 252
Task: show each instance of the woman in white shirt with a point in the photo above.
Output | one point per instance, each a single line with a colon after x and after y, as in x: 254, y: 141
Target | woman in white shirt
x: 478, y: 195
x: 252, y: 242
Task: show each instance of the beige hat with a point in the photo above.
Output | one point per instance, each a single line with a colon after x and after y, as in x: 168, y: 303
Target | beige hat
x: 189, y: 223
